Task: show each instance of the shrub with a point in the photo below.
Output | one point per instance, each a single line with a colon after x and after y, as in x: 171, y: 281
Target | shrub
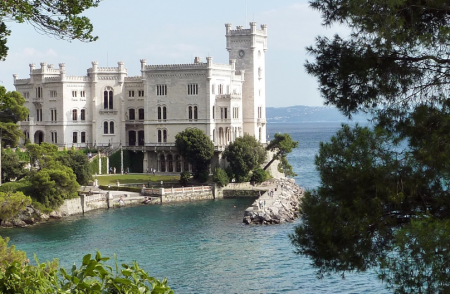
x: 203, y: 176
x: 220, y: 177
x: 184, y: 178
x: 259, y: 175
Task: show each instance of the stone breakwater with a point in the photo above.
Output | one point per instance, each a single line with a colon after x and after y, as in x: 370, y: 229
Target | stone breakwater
x: 279, y: 204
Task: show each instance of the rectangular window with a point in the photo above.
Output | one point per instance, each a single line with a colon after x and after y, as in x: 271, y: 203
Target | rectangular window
x: 235, y: 112
x: 54, y: 138
x: 192, y: 89
x: 53, y: 115
x: 75, y: 137
x: 82, y: 93
x: 141, y: 113
x: 74, y: 114
x: 74, y: 93
x: 53, y: 94
x: 223, y: 113
x: 131, y: 93
x: 259, y: 112
x: 161, y: 90
x: 26, y: 95
x: 131, y: 114
x: 213, y: 112
x: 83, y: 114
x: 83, y: 137
x: 141, y: 93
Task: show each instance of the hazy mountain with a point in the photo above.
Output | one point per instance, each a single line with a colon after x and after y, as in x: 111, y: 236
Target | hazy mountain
x: 300, y: 113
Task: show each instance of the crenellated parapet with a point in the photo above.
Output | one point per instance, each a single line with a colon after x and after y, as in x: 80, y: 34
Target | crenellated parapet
x: 177, y: 66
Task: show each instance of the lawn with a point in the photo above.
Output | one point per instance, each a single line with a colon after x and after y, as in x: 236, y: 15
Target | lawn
x: 135, y: 179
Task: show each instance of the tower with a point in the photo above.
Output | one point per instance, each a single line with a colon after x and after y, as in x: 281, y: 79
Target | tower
x: 248, y: 47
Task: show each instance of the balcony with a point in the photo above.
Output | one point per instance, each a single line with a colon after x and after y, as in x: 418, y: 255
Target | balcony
x: 108, y: 111
x: 229, y: 96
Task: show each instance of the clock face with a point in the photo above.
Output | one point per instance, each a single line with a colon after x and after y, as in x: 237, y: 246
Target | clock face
x: 241, y: 53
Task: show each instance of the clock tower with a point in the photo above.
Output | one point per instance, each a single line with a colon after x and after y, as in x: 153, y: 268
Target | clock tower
x: 248, y: 47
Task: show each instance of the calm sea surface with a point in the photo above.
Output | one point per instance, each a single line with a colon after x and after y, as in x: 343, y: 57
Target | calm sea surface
x: 201, y: 247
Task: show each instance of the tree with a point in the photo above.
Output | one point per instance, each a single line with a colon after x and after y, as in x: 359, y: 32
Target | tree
x: 79, y: 164
x: 282, y: 145
x: 244, y: 155
x: 11, y: 111
x: 220, y: 177
x: 57, y: 18
x: 196, y: 147
x: 12, y: 167
x: 53, y: 184
x: 12, y: 203
x: 383, y: 201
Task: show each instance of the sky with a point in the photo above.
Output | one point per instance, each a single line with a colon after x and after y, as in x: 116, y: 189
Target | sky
x: 175, y: 31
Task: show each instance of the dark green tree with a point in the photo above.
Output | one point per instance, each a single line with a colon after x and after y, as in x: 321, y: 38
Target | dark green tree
x: 53, y: 184
x: 11, y: 111
x: 79, y: 163
x: 220, y: 177
x: 197, y: 148
x: 12, y: 167
x: 383, y: 186
x: 244, y: 155
x: 282, y: 145
x: 60, y: 19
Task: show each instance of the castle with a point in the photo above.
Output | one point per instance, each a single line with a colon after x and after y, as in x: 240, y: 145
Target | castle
x: 144, y: 113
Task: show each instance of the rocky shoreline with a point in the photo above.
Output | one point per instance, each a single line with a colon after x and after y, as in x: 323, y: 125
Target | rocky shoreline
x: 279, y: 204
x: 28, y: 217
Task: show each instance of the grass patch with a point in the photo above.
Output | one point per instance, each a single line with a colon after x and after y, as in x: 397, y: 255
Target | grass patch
x: 135, y: 179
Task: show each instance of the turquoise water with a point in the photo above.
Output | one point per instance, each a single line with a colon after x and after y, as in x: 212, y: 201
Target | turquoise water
x: 200, y: 247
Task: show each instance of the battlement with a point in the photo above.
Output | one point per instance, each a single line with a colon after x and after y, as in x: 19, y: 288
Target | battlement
x: 133, y: 79
x: 53, y: 79
x: 21, y: 81
x: 77, y: 78
x: 240, y: 31
x: 177, y: 66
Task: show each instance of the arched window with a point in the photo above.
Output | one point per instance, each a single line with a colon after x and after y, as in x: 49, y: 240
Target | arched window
x: 83, y: 114
x: 111, y: 106
x: 159, y: 136
x: 111, y: 127
x: 141, y: 113
x: 164, y: 113
x: 141, y: 141
x: 190, y: 112
x: 105, y: 127
x: 131, y: 115
x: 214, y: 136
x: 195, y: 112
x: 159, y: 112
x: 108, y: 99
x: 105, y: 100
x: 74, y: 114
x: 83, y: 137
x: 165, y: 136
x: 75, y: 137
x: 132, y: 138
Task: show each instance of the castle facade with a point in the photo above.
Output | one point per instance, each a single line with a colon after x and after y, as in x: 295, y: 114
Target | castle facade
x: 144, y: 113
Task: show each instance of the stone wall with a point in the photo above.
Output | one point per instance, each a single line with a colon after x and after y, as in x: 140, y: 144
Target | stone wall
x: 187, y: 196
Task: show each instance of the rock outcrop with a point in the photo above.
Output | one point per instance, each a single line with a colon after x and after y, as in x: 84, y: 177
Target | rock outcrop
x: 278, y: 205
x: 29, y: 216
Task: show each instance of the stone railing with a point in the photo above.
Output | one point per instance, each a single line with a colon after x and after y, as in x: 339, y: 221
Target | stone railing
x: 171, y: 191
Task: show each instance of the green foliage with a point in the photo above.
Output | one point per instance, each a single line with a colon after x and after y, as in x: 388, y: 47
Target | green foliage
x: 104, y: 166
x: 54, y: 184
x: 9, y: 255
x: 185, y: 177
x: 12, y: 203
x: 94, y: 166
x: 203, y: 176
x: 12, y: 167
x: 260, y: 175
x: 11, y: 111
x: 420, y: 258
x: 244, y: 155
x: 57, y: 18
x: 37, y: 152
x: 383, y: 200
x: 220, y: 177
x: 79, y: 164
x: 196, y: 147
x: 93, y: 276
x: 282, y: 145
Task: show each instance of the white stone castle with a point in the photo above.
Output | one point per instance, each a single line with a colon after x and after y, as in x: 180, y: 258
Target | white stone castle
x: 144, y: 113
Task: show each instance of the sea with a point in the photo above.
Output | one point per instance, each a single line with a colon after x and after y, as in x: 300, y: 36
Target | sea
x: 202, y: 247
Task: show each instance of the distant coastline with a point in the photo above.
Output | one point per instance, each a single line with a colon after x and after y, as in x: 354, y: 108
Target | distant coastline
x: 300, y: 113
